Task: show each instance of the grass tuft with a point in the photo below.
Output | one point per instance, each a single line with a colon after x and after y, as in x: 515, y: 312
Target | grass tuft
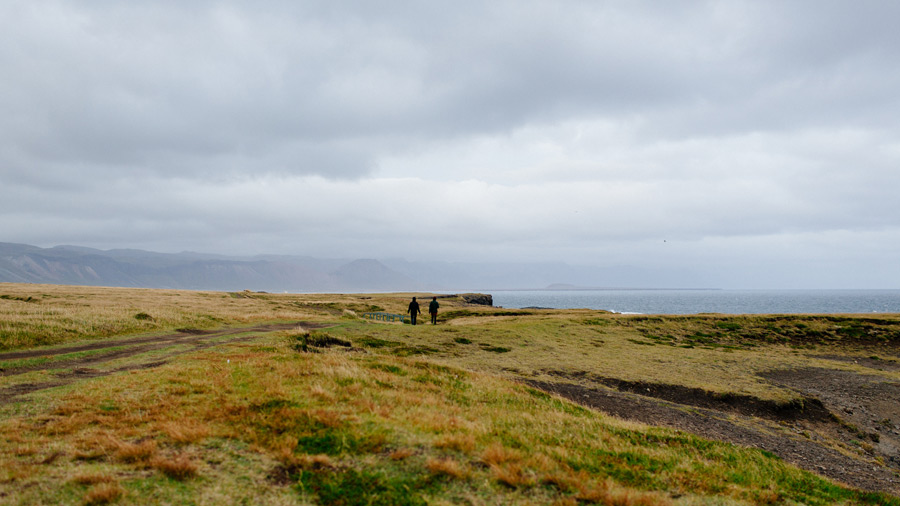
x: 497, y: 454
x: 608, y: 493
x: 402, y: 453
x: 464, y: 443
x: 134, y: 452
x: 446, y: 467
x: 512, y: 474
x: 320, y: 461
x: 178, y: 468
x: 184, y: 431
x: 103, y: 493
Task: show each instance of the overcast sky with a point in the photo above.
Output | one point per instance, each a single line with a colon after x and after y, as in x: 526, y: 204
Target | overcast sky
x: 754, y: 143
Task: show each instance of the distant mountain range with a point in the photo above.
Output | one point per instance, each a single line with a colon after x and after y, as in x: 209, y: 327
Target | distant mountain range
x: 75, y: 265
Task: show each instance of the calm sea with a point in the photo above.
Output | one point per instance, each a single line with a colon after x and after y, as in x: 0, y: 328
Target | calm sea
x: 707, y: 301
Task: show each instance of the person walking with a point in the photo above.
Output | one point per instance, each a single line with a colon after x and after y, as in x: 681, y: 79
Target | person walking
x: 432, y: 308
x: 413, y: 311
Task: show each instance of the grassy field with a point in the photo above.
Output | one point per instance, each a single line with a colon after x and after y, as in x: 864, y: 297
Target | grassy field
x: 720, y: 354
x: 343, y: 411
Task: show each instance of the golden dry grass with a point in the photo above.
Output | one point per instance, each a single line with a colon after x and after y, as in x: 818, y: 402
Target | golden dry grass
x: 103, y: 493
x: 422, y: 418
x: 446, y: 466
x: 178, y: 467
x: 92, y: 479
x: 460, y: 442
x: 133, y: 452
x: 34, y: 314
x: 402, y: 453
x: 184, y: 431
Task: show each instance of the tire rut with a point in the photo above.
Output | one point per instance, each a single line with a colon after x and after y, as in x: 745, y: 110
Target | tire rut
x: 84, y: 368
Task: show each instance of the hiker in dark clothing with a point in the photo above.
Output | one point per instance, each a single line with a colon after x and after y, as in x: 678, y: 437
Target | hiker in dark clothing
x: 432, y: 308
x: 413, y: 311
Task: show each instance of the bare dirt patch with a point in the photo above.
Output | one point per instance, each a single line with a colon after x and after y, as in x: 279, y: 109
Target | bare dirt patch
x: 844, y: 428
x: 75, y: 369
x: 872, y: 362
x: 868, y: 404
x: 804, y: 408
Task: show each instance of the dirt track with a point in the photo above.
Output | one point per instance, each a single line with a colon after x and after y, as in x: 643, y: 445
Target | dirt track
x: 75, y: 369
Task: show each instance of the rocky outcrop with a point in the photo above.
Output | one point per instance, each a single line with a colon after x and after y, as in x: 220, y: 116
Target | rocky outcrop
x: 482, y: 299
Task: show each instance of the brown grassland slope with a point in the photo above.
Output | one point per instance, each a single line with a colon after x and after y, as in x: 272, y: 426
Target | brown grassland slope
x: 133, y: 396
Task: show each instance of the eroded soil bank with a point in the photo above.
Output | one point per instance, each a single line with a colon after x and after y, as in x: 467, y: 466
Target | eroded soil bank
x: 847, y: 426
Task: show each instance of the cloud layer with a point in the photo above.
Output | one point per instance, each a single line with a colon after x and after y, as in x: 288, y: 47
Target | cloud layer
x: 755, y: 142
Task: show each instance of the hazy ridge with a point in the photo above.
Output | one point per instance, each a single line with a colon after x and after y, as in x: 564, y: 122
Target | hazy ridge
x: 75, y: 265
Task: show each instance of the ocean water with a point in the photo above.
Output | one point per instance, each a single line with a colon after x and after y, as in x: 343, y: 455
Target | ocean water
x: 707, y: 301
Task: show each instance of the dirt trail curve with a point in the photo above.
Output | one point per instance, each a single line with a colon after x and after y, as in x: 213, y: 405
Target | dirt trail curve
x: 74, y: 369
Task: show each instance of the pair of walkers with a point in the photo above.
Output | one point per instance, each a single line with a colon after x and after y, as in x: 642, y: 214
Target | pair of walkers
x: 414, y: 310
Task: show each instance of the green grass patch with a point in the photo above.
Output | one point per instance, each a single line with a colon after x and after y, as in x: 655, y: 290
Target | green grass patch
x: 310, y: 341
x: 393, y: 369
x: 408, y: 351
x: 466, y: 313
x: 50, y: 360
x: 19, y: 298
x: 374, y: 342
x: 353, y: 487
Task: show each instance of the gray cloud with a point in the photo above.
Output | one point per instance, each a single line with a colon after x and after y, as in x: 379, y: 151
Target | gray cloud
x: 588, y: 131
